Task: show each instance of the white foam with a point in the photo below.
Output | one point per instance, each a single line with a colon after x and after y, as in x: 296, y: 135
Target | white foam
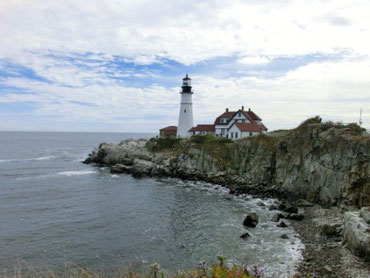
x: 43, y: 158
x: 29, y: 159
x: 5, y: 160
x: 76, y: 173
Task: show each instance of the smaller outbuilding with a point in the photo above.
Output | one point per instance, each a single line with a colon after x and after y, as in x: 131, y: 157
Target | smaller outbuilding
x: 241, y: 130
x: 168, y: 131
x: 202, y: 130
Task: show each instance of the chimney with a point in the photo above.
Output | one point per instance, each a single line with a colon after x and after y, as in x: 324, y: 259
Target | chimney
x: 242, y: 108
x: 249, y: 109
x: 227, y: 109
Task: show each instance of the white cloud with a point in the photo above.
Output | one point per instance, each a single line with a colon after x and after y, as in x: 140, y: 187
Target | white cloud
x: 334, y: 90
x: 257, y: 60
x: 185, y: 31
x: 146, y: 32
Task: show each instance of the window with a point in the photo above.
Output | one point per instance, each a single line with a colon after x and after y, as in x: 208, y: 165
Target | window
x: 232, y: 134
x: 250, y: 133
x: 185, y: 111
x: 243, y: 121
x: 236, y: 134
x: 222, y: 131
x: 240, y: 114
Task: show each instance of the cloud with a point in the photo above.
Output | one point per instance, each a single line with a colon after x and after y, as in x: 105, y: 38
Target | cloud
x: 113, y: 65
x: 335, y: 90
x: 184, y: 31
x: 254, y: 60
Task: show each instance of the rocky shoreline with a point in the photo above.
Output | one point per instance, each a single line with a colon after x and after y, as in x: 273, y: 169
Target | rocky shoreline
x: 325, y: 254
x: 329, y: 167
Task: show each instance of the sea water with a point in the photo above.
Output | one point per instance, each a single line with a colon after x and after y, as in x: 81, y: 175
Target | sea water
x: 55, y: 210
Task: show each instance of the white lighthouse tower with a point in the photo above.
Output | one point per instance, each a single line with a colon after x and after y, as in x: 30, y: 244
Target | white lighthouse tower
x: 186, y: 109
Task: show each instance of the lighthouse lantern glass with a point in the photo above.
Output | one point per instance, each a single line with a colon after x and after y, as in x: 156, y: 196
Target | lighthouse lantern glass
x: 187, y: 83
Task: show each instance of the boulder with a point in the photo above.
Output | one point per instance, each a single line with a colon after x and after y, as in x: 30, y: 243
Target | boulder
x: 276, y: 217
x: 282, y: 206
x: 273, y: 207
x: 332, y: 229
x: 365, y: 214
x: 290, y: 209
x: 245, y: 235
x: 282, y: 225
x: 301, y: 203
x: 356, y: 235
x: 296, y: 216
x: 120, y: 168
x: 284, y: 236
x: 328, y: 269
x: 251, y: 220
x: 142, y: 166
x: 261, y: 204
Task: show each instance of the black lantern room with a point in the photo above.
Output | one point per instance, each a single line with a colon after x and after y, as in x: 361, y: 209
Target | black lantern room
x: 186, y: 85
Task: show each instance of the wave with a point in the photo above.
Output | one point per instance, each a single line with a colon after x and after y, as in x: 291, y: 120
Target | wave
x: 76, y: 173
x: 43, y: 158
x: 29, y: 159
x: 7, y: 160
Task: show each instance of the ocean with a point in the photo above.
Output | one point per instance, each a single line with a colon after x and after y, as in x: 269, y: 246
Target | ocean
x: 55, y: 210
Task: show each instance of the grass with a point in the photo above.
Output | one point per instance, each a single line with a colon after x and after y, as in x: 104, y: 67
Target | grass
x: 209, y: 139
x: 218, y: 270
x: 351, y: 128
x: 163, y: 143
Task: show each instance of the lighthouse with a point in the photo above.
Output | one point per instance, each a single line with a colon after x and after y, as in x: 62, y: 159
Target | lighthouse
x: 186, y: 109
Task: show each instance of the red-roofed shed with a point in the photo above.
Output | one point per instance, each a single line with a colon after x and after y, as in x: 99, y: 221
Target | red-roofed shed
x: 168, y: 131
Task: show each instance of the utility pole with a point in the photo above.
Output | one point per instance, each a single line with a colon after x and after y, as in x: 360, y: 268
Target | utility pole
x: 360, y: 121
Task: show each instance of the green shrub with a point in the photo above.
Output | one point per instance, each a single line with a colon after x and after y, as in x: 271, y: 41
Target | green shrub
x: 163, y: 143
x: 209, y: 138
x: 314, y: 120
x: 355, y: 129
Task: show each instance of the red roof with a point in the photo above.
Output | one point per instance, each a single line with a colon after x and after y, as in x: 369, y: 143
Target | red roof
x: 169, y: 128
x: 249, y: 127
x: 224, y: 115
x: 203, y: 128
x: 249, y: 114
x: 253, y: 115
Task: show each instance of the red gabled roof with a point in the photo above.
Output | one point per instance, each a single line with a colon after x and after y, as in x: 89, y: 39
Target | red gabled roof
x: 203, y: 128
x: 249, y: 127
x: 169, y: 128
x: 249, y: 114
x: 263, y: 127
x: 224, y: 115
x: 252, y: 115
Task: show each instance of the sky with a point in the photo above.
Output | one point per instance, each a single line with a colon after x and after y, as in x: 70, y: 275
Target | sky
x: 117, y: 66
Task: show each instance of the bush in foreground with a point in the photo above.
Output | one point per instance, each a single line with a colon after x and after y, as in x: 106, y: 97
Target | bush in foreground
x: 219, y: 270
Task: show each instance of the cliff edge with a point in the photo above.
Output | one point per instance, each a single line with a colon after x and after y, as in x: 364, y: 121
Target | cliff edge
x: 323, y: 163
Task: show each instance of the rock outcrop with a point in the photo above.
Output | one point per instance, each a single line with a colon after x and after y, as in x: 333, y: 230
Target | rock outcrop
x: 356, y: 232
x: 318, y: 164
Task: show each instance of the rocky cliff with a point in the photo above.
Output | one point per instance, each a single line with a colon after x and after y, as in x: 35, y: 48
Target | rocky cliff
x: 322, y: 163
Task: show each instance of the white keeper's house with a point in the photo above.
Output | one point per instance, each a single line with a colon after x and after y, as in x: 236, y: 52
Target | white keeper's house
x: 230, y: 124
x: 233, y: 125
